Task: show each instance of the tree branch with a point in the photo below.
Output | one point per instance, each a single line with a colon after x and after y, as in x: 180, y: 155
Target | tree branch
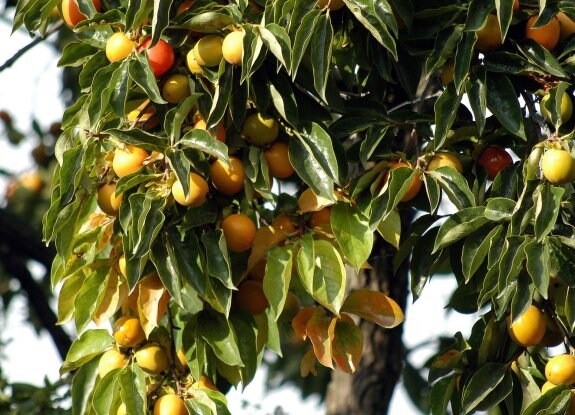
x: 31, y: 45
x: 25, y: 240
x: 37, y: 299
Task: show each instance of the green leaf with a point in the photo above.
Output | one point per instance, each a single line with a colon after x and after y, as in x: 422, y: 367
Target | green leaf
x: 76, y: 54
x: 454, y: 186
x: 511, y: 262
x: 445, y: 112
x: 433, y: 192
x: 141, y: 73
x: 463, y: 56
x: 504, y: 15
x: 217, y: 332
x: 160, y: 18
x: 445, y: 43
x: 390, y: 228
x: 105, y: 393
x: 414, y: 233
x: 395, y: 188
x: 218, y: 262
x: 477, y: 94
x: 417, y: 388
x: 373, y: 14
x: 82, y: 385
x: 553, y: 402
x: 147, y: 220
x: 247, y: 344
x: 187, y: 259
x: 475, y: 250
x: 352, y: 232
x: 541, y: 57
x: 322, y: 272
x: 133, y: 389
x: 547, y: 209
x: 500, y: 209
x: 139, y: 138
x: 319, y: 144
x: 221, y: 96
x: 484, y: 387
x: 459, y: 225
x: 181, y: 165
x: 422, y: 262
x: 538, y: 258
x: 137, y: 12
x: 166, y: 267
x: 302, y: 39
x: 253, y: 53
x: 67, y: 296
x: 208, y: 22
x: 179, y: 115
x: 502, y: 102
x: 202, y: 140
x: 284, y: 99
x: 309, y: 169
x: 276, y: 39
x: 321, y: 50
x: 71, y: 173
x: 347, y: 346
x: 90, y: 344
x: 86, y: 302
x: 440, y: 394
x: 278, y: 277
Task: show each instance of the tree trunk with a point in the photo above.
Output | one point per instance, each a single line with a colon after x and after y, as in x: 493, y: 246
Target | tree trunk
x: 369, y: 390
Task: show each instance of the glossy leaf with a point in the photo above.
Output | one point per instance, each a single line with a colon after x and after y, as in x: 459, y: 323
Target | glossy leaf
x: 547, y: 209
x: 347, y: 345
x: 352, y: 233
x: 320, y: 330
x: 484, y: 385
x: 278, y: 276
x: 323, y: 275
x: 133, y: 389
x: 373, y: 306
x: 459, y: 225
x: 454, y: 186
x: 86, y: 347
x: 502, y: 101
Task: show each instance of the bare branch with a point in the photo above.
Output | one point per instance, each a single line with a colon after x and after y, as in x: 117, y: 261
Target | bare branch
x: 31, y: 45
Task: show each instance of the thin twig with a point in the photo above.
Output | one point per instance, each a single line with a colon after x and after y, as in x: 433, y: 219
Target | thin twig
x: 31, y: 45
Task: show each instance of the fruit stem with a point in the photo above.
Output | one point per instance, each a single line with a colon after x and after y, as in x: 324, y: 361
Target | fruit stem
x: 180, y: 389
x: 532, y: 114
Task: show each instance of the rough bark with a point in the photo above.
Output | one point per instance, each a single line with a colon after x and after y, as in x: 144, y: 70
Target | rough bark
x: 370, y: 389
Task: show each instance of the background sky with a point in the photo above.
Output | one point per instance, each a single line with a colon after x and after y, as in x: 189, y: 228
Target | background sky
x: 31, y: 89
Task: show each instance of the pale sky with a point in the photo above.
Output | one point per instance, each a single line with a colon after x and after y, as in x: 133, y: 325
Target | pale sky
x: 32, y: 86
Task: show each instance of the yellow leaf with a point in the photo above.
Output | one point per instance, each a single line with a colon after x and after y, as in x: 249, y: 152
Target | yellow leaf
x: 266, y: 238
x: 152, y: 302
x: 320, y: 330
x: 112, y: 298
x: 310, y: 202
x: 374, y: 306
x: 300, y: 321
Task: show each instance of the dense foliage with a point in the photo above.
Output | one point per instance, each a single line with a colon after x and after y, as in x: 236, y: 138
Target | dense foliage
x: 227, y: 167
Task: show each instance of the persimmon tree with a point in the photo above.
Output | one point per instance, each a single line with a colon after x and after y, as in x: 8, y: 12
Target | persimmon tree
x: 243, y: 176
